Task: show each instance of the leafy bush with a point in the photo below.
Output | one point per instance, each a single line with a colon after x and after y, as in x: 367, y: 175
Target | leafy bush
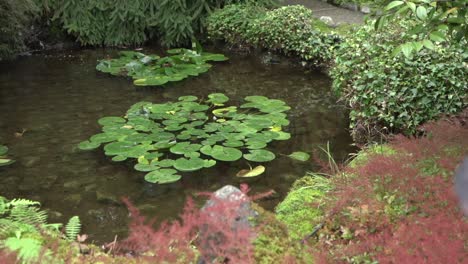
x: 393, y: 211
x: 436, y: 21
x: 394, y: 92
x: 233, y: 22
x: 291, y: 30
x: 14, y: 25
x: 113, y: 23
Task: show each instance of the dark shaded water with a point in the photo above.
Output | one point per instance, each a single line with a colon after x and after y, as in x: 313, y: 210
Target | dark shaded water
x: 58, y: 98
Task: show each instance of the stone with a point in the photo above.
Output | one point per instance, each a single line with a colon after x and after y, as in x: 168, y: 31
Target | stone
x: 366, y: 9
x: 147, y: 208
x: 73, y: 184
x: 107, y: 198
x: 47, y: 181
x: 240, y: 220
x: 28, y: 184
x: 327, y: 20
x: 74, y: 199
x: 28, y: 162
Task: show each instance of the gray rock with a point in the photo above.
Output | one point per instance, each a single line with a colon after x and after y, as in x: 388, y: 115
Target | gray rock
x: 103, y: 196
x: 28, y: 184
x: 73, y: 200
x: 366, y: 9
x: 73, y: 184
x: 327, y: 20
x: 30, y: 161
x: 239, y: 220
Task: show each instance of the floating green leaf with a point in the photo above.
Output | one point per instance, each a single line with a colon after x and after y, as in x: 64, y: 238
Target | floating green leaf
x: 218, y: 98
x: 3, y: 150
x: 4, y: 161
x: 299, y: 155
x: 225, y: 153
x: 252, y: 172
x: 260, y: 155
x: 189, y: 134
x: 152, y: 70
x: 162, y: 176
x: 88, y: 145
x: 191, y: 164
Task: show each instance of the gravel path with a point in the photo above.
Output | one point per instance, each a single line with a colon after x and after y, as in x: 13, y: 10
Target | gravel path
x: 319, y: 8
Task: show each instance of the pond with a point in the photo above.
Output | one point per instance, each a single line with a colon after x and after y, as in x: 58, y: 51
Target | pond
x: 51, y: 102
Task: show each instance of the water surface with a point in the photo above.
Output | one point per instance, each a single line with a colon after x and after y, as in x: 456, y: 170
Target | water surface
x: 57, y: 99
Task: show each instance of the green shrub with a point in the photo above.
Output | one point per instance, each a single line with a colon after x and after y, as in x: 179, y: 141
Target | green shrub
x: 393, y: 92
x: 15, y: 19
x: 290, y: 30
x: 121, y: 22
x: 233, y: 22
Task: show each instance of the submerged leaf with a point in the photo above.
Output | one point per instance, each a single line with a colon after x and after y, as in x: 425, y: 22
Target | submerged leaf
x: 299, y: 155
x: 260, y: 155
x: 252, y: 172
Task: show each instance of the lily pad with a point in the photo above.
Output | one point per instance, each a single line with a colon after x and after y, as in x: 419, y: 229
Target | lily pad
x: 152, y: 70
x: 252, y: 172
x: 299, y: 155
x: 110, y: 120
x: 190, y: 133
x: 146, y: 167
x: 218, y: 98
x: 5, y: 162
x: 191, y: 164
x: 225, y: 153
x: 3, y: 150
x: 209, y: 163
x: 119, y: 158
x: 184, y: 147
x: 162, y: 176
x: 260, y: 155
x: 188, y: 98
x: 88, y: 145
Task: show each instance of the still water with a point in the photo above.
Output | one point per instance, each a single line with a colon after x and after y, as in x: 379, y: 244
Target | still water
x: 51, y: 102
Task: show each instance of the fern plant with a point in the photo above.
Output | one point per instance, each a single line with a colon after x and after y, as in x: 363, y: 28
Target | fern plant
x: 73, y: 228
x: 24, y: 228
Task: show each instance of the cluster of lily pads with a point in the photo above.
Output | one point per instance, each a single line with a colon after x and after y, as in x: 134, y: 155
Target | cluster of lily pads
x: 152, y: 70
x: 192, y: 134
x: 4, y: 160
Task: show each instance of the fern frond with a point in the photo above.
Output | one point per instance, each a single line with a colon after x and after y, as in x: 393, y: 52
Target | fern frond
x: 23, y: 202
x: 9, y: 228
x: 29, y: 215
x: 73, y: 227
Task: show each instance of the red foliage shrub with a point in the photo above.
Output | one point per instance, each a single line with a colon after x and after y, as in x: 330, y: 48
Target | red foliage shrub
x: 397, y: 209
x: 209, y: 230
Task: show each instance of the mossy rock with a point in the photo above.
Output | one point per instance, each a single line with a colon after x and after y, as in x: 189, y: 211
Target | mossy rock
x: 273, y: 243
x: 300, y: 210
x: 363, y: 156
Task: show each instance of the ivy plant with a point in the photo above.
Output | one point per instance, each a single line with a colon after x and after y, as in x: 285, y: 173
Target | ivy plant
x: 153, y: 70
x: 192, y: 134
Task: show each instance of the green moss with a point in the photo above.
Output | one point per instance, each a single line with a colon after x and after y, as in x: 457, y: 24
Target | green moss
x: 273, y: 245
x: 363, y: 156
x: 300, y: 211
